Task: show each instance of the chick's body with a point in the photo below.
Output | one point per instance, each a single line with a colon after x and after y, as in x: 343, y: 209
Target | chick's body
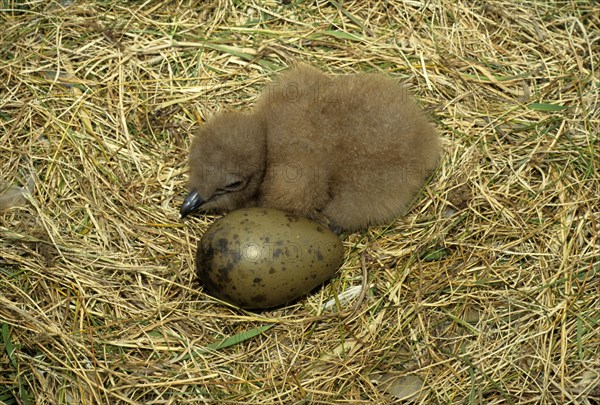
x: 349, y: 151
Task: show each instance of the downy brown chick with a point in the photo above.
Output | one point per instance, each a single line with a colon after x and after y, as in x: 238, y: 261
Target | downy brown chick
x: 348, y: 151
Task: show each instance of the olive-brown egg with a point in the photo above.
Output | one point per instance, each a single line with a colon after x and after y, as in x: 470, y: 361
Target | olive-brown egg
x: 261, y: 258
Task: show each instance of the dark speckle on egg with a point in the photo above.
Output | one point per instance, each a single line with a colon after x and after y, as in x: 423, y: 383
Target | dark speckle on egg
x: 206, y: 254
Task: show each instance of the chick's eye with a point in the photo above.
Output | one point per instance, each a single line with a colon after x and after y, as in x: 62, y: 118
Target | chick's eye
x: 236, y: 185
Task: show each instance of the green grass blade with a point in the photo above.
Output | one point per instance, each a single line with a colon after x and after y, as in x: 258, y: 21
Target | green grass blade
x: 546, y: 107
x: 239, y: 338
x: 8, y: 344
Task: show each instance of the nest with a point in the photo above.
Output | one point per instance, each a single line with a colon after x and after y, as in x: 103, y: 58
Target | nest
x: 487, y: 291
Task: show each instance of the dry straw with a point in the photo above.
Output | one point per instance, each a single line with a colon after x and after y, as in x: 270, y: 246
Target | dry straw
x: 486, y: 292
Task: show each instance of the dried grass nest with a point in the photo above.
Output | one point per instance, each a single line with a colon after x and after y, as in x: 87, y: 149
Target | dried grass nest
x: 487, y: 291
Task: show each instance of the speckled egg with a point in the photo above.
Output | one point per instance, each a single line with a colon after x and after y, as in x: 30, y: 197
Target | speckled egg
x: 260, y: 258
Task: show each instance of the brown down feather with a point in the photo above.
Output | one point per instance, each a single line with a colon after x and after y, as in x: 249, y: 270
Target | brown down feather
x: 349, y: 151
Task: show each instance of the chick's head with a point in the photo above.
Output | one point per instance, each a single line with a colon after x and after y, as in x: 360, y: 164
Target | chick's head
x: 227, y: 163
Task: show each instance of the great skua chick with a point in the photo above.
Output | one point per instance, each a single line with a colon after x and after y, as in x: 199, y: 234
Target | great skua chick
x: 348, y: 151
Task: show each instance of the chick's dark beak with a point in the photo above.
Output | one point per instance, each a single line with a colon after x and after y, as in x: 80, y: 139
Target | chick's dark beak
x: 192, y: 202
